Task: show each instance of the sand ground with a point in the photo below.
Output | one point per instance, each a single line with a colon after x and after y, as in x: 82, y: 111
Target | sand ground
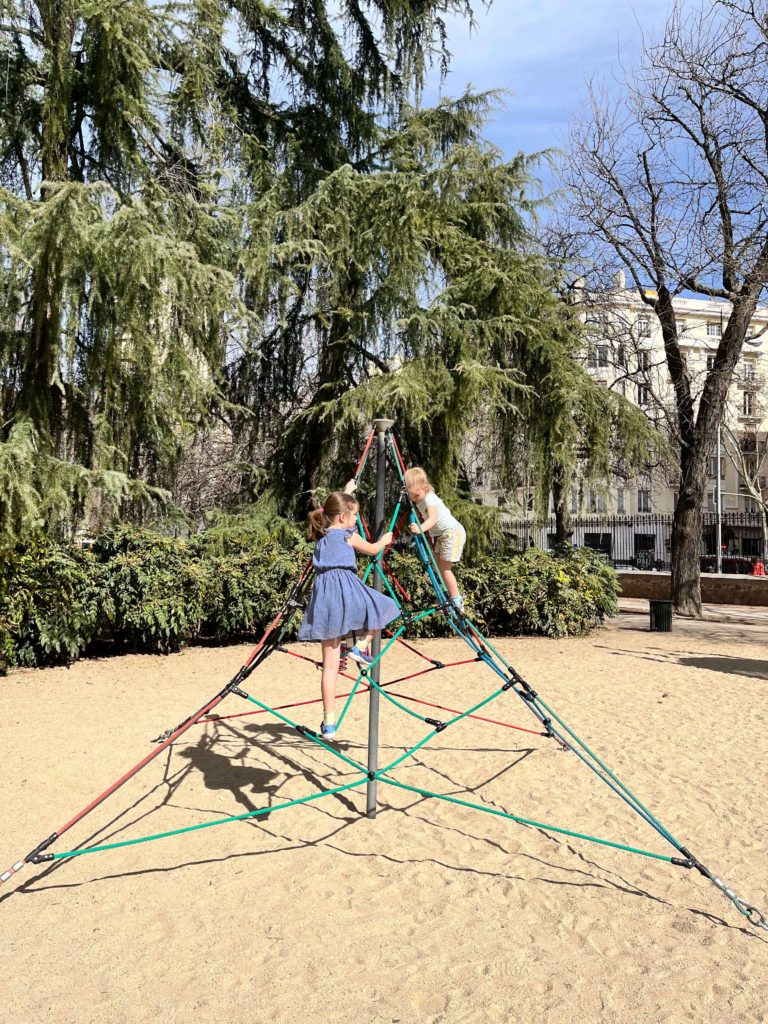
x: 432, y: 912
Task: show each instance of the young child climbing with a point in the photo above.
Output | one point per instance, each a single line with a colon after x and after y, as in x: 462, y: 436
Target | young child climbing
x: 340, y: 604
x: 446, y: 531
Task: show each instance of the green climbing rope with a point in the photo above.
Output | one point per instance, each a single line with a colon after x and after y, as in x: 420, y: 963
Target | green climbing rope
x: 521, y: 821
x: 209, y: 824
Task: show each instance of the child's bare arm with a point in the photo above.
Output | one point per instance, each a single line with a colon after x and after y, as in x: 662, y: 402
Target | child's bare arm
x: 366, y: 547
x: 428, y: 523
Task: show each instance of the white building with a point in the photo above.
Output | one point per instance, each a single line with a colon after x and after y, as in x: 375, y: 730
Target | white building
x: 624, y: 351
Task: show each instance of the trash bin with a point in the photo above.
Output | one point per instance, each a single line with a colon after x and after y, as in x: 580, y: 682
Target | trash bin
x: 661, y: 616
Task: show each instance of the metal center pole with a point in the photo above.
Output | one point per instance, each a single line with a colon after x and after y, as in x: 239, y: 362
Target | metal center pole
x: 381, y: 427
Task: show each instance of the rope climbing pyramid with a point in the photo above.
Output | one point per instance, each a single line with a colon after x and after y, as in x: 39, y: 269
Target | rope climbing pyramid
x: 546, y: 722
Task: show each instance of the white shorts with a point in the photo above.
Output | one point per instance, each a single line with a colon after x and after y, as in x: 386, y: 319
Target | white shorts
x: 449, y: 546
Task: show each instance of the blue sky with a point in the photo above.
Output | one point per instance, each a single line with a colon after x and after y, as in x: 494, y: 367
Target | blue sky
x: 541, y: 51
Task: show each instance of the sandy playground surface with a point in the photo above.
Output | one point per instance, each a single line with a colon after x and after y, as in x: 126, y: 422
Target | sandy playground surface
x: 431, y: 913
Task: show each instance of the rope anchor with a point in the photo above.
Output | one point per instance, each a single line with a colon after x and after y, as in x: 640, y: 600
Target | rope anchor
x: 755, y: 916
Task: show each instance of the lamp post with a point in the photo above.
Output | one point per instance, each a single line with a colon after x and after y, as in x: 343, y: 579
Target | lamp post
x: 719, y: 493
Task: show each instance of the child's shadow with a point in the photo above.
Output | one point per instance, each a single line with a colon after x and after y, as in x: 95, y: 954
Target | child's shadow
x: 219, y: 772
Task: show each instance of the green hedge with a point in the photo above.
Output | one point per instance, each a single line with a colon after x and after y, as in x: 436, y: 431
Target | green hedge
x: 139, y: 591
x: 535, y: 592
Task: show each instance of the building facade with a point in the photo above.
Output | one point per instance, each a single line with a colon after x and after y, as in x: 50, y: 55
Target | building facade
x: 630, y: 519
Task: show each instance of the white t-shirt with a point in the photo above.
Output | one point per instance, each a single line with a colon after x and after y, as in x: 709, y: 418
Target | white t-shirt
x: 445, y: 521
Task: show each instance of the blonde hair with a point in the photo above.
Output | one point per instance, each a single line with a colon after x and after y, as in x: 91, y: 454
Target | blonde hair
x: 321, y: 518
x: 416, y: 477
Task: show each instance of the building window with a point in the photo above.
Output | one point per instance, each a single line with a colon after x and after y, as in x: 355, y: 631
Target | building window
x: 712, y: 500
x: 621, y: 355
x: 713, y: 468
x: 529, y: 503
x: 644, y: 361
x: 574, y: 501
x: 748, y: 404
x: 620, y: 501
x: 644, y: 327
x: 643, y: 501
x: 502, y: 501
x: 710, y: 362
x: 750, y: 505
x: 643, y: 394
x: 682, y: 327
x: 478, y: 476
x: 714, y: 330
x: 597, y: 356
x: 750, y: 370
x: 596, y: 502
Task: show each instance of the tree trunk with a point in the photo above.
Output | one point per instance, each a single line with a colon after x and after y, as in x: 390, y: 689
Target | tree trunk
x: 686, y: 532
x: 561, y: 502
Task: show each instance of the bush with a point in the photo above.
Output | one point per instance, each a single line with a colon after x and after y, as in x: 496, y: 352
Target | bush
x: 53, y: 602
x: 146, y: 592
x: 536, y: 592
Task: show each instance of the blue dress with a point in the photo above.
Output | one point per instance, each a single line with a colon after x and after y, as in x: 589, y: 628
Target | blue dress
x: 340, y: 603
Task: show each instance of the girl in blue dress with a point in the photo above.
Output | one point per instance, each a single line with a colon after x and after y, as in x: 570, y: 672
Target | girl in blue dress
x: 340, y: 603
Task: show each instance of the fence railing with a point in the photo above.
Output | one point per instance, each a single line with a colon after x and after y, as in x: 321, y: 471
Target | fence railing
x: 645, y: 541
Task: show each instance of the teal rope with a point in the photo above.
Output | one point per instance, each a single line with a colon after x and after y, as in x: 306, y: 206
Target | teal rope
x: 315, y: 739
x: 348, y: 701
x: 375, y: 559
x: 375, y: 562
x: 662, y: 828
x: 370, y: 682
x: 625, y: 789
x: 523, y: 821
x: 636, y: 804
x: 420, y: 534
x: 210, y: 824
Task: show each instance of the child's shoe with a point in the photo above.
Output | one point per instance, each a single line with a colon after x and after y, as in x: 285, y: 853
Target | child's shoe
x: 363, y: 658
x: 328, y: 731
x: 458, y: 603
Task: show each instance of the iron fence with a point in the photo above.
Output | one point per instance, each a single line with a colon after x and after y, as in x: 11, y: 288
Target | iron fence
x: 645, y: 541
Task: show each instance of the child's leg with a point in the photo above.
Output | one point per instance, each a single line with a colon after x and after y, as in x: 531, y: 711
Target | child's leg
x: 330, y: 650
x: 449, y: 550
x: 450, y: 580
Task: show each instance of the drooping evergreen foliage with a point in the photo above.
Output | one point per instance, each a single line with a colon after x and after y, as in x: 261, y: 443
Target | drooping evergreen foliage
x: 232, y: 221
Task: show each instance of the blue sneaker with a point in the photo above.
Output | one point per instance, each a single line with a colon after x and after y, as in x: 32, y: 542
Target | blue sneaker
x: 328, y: 731
x: 458, y: 603
x: 363, y: 658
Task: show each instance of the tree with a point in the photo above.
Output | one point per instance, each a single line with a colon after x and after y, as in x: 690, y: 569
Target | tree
x: 135, y: 136
x: 454, y: 309
x: 670, y: 180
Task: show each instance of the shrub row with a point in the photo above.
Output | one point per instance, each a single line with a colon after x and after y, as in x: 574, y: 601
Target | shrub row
x: 140, y: 591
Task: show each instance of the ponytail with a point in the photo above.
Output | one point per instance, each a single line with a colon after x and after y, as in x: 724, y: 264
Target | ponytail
x: 321, y: 518
x: 317, y: 525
